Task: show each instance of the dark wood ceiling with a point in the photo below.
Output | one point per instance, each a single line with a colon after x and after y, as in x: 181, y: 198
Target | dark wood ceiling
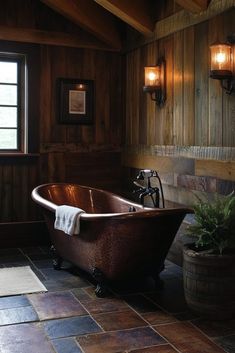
x: 98, y: 17
x: 100, y: 24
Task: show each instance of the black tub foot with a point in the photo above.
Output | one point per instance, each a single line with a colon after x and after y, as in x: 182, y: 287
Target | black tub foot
x: 101, y: 289
x: 57, y: 263
x: 57, y: 260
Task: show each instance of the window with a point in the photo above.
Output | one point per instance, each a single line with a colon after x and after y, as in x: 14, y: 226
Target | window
x: 12, y: 103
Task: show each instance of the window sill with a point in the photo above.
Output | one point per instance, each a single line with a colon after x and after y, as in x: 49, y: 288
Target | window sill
x: 18, y: 156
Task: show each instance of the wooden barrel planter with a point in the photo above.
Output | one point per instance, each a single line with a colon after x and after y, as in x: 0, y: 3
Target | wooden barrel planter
x: 209, y: 283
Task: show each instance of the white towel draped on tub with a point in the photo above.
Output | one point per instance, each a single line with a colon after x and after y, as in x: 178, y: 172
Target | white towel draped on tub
x: 68, y: 219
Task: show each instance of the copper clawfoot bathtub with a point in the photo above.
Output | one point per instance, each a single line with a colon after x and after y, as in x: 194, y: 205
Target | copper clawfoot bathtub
x: 118, y: 238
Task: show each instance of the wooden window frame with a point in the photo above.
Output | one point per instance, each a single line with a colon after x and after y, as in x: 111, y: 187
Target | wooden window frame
x: 21, y: 105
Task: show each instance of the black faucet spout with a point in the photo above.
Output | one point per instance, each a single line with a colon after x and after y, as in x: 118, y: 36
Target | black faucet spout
x: 149, y: 190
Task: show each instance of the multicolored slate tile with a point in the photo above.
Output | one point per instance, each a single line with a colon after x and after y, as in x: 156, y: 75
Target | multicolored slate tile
x: 73, y: 326
x: 96, y: 306
x: 120, y: 341
x: 56, y: 305
x: 119, y: 320
x: 25, y: 338
x: 166, y: 348
x: 15, y: 301
x: 132, y: 319
x: 66, y: 345
x: 186, y: 338
x: 17, y: 315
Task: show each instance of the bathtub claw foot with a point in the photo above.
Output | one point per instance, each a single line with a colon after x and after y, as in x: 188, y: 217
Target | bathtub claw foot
x: 57, y: 260
x: 99, y: 277
x: 57, y: 263
x: 101, y: 291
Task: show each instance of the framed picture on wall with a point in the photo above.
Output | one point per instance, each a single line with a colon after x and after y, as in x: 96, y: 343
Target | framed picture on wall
x: 76, y: 101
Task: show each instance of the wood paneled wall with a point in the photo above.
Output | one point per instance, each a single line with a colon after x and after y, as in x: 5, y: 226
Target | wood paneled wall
x: 61, y: 152
x: 18, y: 176
x: 61, y: 145
x: 87, y: 154
x: 198, y: 112
x: 102, y: 67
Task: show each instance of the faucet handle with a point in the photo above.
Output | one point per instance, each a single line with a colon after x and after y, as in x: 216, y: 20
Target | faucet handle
x: 146, y: 173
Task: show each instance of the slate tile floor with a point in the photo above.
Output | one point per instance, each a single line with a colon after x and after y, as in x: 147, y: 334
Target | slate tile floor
x: 133, y: 318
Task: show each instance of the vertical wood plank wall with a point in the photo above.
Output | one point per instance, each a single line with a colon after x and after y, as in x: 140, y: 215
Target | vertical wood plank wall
x: 87, y: 154
x: 79, y: 153
x: 197, y: 112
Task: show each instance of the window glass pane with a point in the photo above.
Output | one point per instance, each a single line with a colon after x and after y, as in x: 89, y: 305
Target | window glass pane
x: 8, y: 95
x: 8, y: 139
x: 8, y: 117
x: 8, y: 72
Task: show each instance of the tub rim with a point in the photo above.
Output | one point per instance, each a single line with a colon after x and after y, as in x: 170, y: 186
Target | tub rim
x: 143, y: 212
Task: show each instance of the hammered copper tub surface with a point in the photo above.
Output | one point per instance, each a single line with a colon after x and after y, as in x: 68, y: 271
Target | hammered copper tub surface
x: 113, y: 239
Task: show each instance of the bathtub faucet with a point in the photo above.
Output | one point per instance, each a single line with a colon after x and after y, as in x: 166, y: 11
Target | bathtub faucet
x: 149, y: 190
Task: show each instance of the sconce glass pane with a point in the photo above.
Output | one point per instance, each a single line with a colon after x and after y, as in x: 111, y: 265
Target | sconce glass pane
x: 221, y: 57
x: 152, y: 76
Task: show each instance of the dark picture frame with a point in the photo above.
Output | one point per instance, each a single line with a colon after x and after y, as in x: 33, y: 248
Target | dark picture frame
x: 76, y: 101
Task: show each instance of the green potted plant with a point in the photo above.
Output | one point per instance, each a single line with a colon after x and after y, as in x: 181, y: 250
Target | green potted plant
x: 209, y: 262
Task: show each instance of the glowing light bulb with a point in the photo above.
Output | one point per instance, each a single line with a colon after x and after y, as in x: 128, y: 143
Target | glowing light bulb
x: 220, y: 58
x: 152, y: 76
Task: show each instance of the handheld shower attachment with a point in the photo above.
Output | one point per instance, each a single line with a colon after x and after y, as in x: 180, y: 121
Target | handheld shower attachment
x: 149, y: 190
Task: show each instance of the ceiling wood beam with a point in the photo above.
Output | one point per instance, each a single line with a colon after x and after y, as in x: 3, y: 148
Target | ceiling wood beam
x: 194, y: 6
x: 179, y: 21
x: 89, y: 16
x: 29, y: 35
x: 137, y: 15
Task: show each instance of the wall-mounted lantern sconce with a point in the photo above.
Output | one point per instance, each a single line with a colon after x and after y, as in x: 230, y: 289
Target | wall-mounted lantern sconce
x: 155, y: 82
x: 222, y: 64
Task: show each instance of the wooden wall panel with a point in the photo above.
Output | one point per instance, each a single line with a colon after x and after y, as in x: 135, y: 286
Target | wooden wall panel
x: 222, y: 170
x: 201, y: 84
x: 178, y: 116
x: 96, y: 169
x: 152, y: 110
x: 143, y: 103
x: 215, y: 34
x: 188, y: 88
x: 47, y: 63
x: 229, y: 101
x: 18, y: 178
x: 202, y: 113
x: 102, y: 67
x: 164, y: 118
x: 197, y: 120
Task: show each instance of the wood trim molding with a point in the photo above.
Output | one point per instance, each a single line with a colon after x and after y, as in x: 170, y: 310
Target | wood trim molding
x: 91, y: 17
x: 193, y: 5
x: 28, y: 35
x: 76, y: 147
x: 179, y: 21
x: 137, y: 16
x: 184, y: 19
x: 218, y: 169
x: 194, y: 152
